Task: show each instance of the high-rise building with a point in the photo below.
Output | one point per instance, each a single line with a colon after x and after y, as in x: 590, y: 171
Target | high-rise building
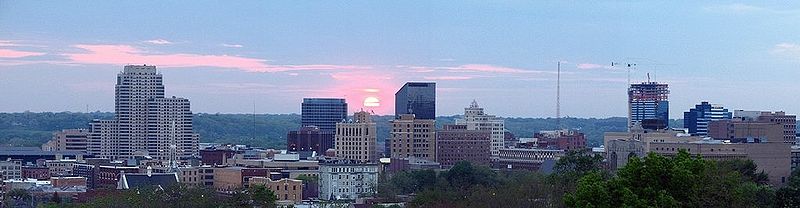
x: 418, y: 98
x: 145, y: 122
x: 308, y: 139
x: 697, y: 119
x: 323, y: 113
x: 68, y: 140
x: 412, y: 137
x: 456, y: 143
x: 356, y: 139
x: 476, y: 119
x: 648, y: 101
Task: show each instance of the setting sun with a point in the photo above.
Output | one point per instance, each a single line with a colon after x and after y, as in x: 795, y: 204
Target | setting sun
x: 371, y: 102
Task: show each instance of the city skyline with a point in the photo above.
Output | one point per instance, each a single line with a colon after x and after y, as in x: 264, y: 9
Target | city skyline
x: 502, y: 54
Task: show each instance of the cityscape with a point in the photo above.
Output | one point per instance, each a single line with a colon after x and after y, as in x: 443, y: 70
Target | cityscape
x: 212, y: 129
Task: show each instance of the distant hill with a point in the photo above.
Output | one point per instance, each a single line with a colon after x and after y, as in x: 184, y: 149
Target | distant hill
x: 269, y: 130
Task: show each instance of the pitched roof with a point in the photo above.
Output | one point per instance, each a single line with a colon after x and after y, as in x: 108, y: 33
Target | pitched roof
x: 142, y: 180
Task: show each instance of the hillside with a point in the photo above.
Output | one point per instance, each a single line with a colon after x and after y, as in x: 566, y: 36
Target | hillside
x: 269, y: 130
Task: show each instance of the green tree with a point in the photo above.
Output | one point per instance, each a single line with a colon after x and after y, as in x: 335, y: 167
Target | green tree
x: 262, y: 196
x: 789, y: 195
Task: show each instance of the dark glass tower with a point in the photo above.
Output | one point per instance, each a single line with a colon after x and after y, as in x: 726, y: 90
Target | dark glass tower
x: 323, y: 113
x: 418, y: 98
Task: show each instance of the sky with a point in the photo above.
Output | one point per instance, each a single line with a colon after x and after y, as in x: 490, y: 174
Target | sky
x: 265, y: 56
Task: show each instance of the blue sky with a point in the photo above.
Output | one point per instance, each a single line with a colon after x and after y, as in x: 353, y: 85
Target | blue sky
x: 227, y: 55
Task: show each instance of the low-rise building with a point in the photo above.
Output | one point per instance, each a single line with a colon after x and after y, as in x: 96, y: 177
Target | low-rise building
x: 455, y: 143
x: 347, y: 180
x: 566, y: 140
x: 232, y: 178
x: 71, y: 181
x: 526, y: 159
x: 774, y: 158
x: 284, y: 189
x: 619, y: 146
x: 11, y: 169
x: 62, y: 167
x: 147, y: 180
x: 36, y: 172
x: 68, y: 140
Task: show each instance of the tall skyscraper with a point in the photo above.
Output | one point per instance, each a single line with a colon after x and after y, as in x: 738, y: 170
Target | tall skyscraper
x: 698, y: 118
x: 413, y: 137
x: 356, y: 139
x: 476, y: 119
x: 145, y: 122
x: 648, y: 101
x: 323, y: 113
x: 418, y: 98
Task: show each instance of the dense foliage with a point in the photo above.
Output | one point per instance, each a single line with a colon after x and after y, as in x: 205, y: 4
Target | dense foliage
x: 680, y: 181
x: 466, y: 185
x: 579, y: 180
x: 177, y: 196
x: 264, y: 130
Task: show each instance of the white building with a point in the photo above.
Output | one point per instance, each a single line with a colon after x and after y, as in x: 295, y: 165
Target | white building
x: 11, y: 169
x: 476, y: 119
x: 145, y: 123
x: 356, y: 140
x: 346, y: 180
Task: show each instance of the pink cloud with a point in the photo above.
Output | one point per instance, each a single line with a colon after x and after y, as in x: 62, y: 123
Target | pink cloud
x: 10, y: 53
x: 126, y: 54
x: 592, y: 66
x: 449, y: 78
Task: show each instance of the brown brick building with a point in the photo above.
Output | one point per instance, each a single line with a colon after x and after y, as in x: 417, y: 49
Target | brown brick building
x: 285, y: 189
x: 455, y: 143
x: 561, y: 140
x: 738, y: 130
x: 413, y: 137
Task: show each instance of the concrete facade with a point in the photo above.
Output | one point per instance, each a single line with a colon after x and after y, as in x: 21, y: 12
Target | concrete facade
x: 145, y: 122
x: 356, y: 140
x: 345, y: 180
x: 413, y: 137
x: 476, y: 119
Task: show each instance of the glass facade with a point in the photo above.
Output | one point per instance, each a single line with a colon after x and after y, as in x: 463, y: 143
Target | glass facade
x: 698, y: 118
x: 323, y: 113
x: 418, y: 98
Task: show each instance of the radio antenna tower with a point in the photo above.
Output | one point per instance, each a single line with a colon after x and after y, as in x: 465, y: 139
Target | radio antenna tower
x: 558, y: 96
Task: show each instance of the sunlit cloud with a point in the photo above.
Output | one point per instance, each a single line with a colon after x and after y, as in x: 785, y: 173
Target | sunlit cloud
x: 159, y: 42
x: 126, y: 54
x: 231, y: 45
x: 11, y: 53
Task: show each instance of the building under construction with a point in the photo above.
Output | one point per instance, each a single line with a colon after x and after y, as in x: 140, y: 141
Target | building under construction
x: 648, y: 101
